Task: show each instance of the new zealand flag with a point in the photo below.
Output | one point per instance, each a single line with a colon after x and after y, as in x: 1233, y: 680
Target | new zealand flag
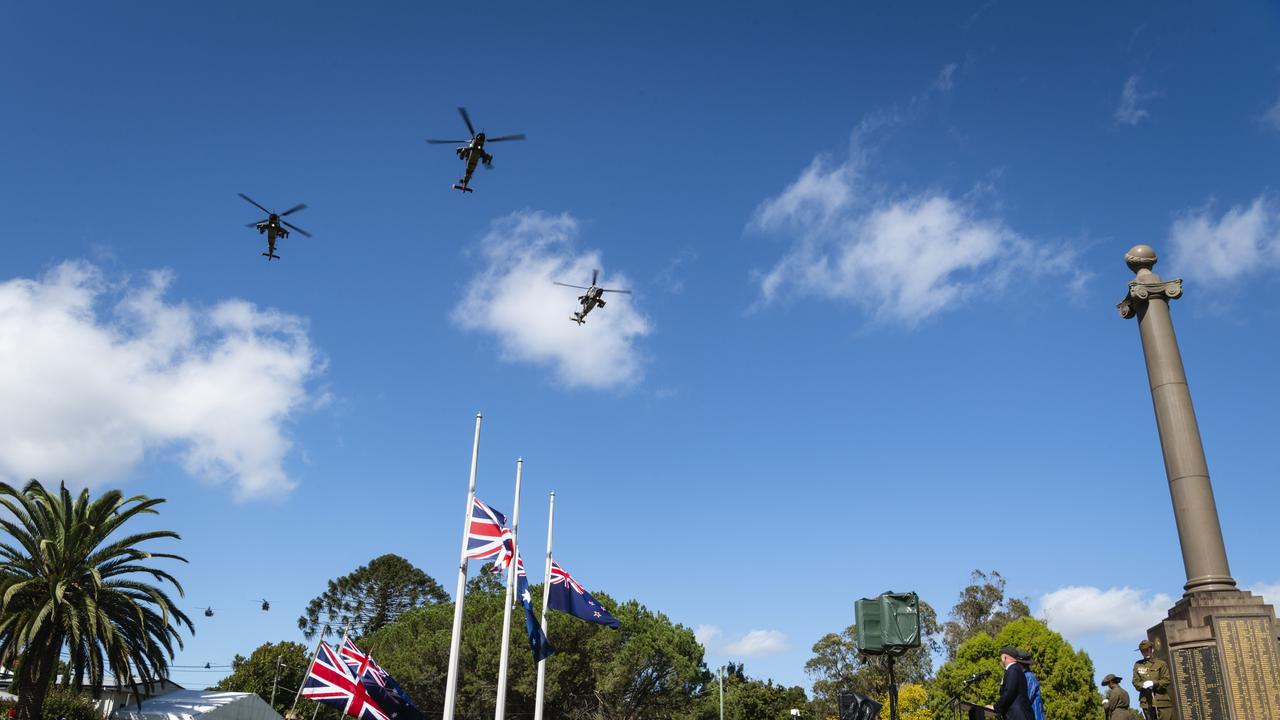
x: 567, y: 596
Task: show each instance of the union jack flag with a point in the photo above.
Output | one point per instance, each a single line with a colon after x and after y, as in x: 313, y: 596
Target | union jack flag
x: 362, y: 664
x: 383, y: 688
x: 485, y: 532
x: 505, y: 554
x: 330, y: 682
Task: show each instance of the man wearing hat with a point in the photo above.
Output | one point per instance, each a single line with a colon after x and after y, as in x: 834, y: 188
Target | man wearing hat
x: 1116, y: 704
x: 1033, y: 685
x: 1151, y: 679
x: 1013, y: 703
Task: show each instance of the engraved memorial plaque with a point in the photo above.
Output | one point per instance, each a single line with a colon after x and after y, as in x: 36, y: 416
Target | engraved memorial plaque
x: 1251, y: 664
x: 1197, y: 683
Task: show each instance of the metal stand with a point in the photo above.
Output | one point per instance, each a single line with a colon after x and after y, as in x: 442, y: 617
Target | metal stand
x: 893, y: 691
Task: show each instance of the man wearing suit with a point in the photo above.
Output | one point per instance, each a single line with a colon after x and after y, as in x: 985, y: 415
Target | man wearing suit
x: 1013, y: 703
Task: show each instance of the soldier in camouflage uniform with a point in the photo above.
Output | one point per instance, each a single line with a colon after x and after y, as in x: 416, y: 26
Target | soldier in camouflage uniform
x: 1152, y: 680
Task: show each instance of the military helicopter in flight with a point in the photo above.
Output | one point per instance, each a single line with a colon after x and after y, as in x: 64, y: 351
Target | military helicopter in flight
x: 593, y: 298
x: 274, y: 226
x: 472, y: 151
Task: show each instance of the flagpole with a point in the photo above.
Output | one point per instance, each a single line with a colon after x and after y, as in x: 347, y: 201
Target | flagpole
x: 455, y: 645
x: 315, y: 654
x: 500, y: 707
x: 546, y: 587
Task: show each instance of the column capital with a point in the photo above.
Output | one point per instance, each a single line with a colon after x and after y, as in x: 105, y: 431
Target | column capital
x: 1146, y: 285
x: 1140, y: 292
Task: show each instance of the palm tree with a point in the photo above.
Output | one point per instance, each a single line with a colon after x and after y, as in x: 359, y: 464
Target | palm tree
x: 68, y: 583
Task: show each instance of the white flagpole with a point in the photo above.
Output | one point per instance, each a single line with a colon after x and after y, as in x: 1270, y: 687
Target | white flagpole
x: 500, y: 707
x: 307, y: 670
x: 455, y: 645
x: 546, y: 588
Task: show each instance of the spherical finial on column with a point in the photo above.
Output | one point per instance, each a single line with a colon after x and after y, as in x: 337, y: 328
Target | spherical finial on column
x: 1140, y: 257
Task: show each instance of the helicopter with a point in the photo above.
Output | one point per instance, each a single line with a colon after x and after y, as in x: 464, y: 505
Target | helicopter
x: 593, y: 297
x: 274, y: 226
x: 472, y: 151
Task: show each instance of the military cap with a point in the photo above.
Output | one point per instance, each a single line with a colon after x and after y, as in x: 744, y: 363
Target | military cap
x: 1107, y: 680
x: 1011, y: 651
x: 1145, y: 645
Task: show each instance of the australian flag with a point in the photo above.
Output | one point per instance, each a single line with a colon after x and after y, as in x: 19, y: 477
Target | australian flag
x: 538, y: 641
x: 567, y: 596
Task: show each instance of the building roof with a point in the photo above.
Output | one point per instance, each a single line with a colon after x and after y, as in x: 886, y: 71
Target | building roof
x: 199, y: 705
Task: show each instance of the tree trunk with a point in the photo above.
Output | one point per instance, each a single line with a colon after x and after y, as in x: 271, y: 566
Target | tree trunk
x: 38, y: 675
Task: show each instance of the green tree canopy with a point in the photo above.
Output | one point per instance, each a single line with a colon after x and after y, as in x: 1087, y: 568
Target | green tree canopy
x: 70, y: 581
x: 982, y: 608
x: 371, y: 597
x: 745, y: 698
x: 257, y: 673
x: 837, y: 665
x: 1066, y: 675
x: 649, y: 668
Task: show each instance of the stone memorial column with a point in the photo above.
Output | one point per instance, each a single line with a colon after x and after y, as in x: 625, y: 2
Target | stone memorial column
x: 1222, y: 644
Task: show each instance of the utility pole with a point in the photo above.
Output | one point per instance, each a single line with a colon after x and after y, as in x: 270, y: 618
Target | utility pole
x: 721, y: 671
x: 275, y: 682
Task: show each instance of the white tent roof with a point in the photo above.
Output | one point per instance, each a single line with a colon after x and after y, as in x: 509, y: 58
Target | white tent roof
x: 199, y: 705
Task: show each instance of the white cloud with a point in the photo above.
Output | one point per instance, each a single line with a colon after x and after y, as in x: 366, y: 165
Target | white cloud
x: 95, y: 376
x: 946, y: 78
x: 1269, y: 591
x: 706, y: 634
x: 903, y: 258
x: 1118, y: 613
x: 1130, y: 110
x: 1241, y: 241
x: 1272, y: 116
x: 757, y: 643
x: 514, y: 298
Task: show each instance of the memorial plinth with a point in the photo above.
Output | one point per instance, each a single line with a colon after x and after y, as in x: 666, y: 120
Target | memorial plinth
x: 1222, y: 644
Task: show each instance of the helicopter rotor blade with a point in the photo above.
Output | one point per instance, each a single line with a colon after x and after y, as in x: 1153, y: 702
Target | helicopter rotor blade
x: 295, y: 228
x: 467, y: 119
x: 595, y: 275
x: 294, y: 209
x: 517, y: 136
x: 448, y: 142
x: 251, y: 202
x: 624, y: 292
x: 568, y: 285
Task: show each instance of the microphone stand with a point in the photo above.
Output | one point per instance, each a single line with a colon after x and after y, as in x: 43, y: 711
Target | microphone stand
x: 954, y: 702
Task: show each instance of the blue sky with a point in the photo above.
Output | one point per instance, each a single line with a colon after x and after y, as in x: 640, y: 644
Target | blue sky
x: 873, y: 345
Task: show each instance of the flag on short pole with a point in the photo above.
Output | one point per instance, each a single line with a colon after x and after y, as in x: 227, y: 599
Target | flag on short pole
x: 381, y: 686
x: 331, y: 682
x: 567, y: 596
